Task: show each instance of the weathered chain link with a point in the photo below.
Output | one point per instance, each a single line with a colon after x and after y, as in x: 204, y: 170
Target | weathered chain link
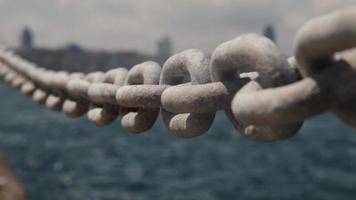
x: 137, y: 117
x: 195, y: 65
x: 266, y: 95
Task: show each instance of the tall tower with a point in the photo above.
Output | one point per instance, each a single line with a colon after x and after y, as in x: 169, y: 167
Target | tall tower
x: 164, y: 48
x: 269, y: 32
x: 26, y: 38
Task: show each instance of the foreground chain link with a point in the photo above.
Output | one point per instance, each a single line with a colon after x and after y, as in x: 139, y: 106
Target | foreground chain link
x: 266, y: 95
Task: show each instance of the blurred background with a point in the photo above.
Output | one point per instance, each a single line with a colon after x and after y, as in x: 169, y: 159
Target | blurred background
x: 60, y: 158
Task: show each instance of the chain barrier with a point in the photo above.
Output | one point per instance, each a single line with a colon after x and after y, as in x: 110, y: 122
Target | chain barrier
x: 266, y: 95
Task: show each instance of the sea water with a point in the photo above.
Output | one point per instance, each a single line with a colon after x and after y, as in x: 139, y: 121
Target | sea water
x: 58, y: 158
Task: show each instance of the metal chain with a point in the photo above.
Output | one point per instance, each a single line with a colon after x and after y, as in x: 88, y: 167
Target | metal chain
x: 266, y: 95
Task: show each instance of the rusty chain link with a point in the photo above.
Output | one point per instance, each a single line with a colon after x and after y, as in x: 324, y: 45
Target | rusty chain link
x: 265, y: 94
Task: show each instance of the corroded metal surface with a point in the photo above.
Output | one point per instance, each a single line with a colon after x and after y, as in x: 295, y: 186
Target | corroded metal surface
x: 138, y: 119
x: 195, y: 64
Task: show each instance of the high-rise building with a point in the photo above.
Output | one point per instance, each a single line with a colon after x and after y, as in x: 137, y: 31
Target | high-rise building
x: 26, y: 38
x: 164, y: 48
x: 269, y: 32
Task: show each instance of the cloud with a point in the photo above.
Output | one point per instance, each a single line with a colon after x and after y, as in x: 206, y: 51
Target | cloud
x: 138, y: 24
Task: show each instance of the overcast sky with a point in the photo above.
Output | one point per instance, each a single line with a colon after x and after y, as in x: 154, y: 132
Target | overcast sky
x: 138, y: 24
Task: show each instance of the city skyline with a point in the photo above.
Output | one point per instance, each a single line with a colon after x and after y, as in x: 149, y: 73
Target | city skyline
x: 112, y: 25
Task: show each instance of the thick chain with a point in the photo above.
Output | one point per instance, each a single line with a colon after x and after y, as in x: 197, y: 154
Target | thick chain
x: 266, y: 95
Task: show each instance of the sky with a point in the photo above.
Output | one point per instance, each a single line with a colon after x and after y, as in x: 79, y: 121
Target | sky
x: 138, y: 24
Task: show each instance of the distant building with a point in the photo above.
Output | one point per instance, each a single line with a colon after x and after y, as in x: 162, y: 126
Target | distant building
x: 74, y: 48
x: 74, y: 58
x: 26, y: 38
x: 270, y: 32
x: 164, y: 48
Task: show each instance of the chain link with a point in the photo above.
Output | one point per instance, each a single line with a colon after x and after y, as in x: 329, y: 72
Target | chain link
x: 139, y: 118
x: 193, y: 64
x: 266, y: 95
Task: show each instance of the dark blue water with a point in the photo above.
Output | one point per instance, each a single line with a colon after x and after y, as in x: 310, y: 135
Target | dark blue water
x: 61, y: 158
